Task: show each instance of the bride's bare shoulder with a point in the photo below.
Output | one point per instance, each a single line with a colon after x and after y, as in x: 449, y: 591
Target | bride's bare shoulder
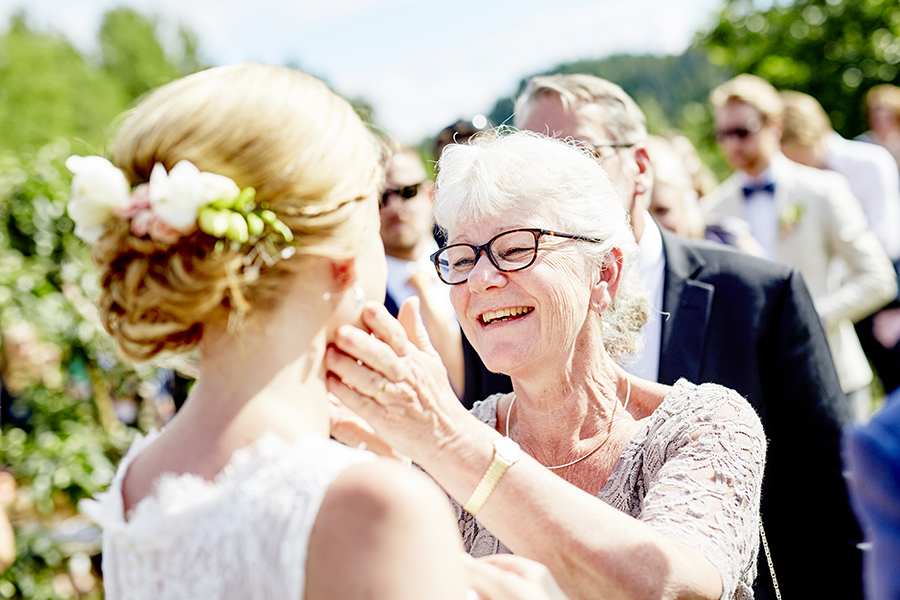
x: 375, y: 520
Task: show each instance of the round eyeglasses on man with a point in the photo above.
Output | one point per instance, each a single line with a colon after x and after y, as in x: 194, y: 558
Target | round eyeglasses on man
x: 509, y: 251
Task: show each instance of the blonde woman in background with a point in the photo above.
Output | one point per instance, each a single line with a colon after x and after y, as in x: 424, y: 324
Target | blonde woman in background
x: 883, y: 108
x: 674, y: 203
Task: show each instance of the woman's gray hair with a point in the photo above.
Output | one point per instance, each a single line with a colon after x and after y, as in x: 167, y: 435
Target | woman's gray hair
x: 551, y: 183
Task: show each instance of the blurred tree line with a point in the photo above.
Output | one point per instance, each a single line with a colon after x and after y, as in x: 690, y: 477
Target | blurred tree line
x: 834, y: 50
x: 50, y: 90
x: 70, y: 407
x: 671, y: 90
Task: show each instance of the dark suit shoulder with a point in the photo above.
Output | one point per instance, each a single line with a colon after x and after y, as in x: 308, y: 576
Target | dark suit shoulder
x: 691, y: 258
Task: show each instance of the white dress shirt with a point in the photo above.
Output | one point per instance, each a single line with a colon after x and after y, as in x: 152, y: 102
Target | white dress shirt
x: 400, y: 271
x: 759, y: 207
x: 651, y: 266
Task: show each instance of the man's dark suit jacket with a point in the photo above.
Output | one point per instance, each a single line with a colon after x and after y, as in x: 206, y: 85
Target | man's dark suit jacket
x: 750, y: 324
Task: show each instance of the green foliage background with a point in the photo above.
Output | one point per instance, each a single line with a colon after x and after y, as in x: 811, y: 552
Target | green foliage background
x: 66, y: 439
x: 834, y: 50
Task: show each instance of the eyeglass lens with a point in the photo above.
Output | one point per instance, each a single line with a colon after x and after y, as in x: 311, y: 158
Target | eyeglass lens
x: 738, y: 132
x: 753, y: 125
x: 510, y: 251
x: 405, y: 193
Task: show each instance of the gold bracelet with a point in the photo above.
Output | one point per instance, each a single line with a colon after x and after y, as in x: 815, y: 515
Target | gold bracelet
x: 506, y: 453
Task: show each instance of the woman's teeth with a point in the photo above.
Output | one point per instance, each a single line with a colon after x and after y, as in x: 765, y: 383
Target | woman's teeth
x: 504, y: 314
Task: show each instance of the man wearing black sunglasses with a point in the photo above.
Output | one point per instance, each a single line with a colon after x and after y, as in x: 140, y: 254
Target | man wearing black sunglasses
x: 406, y: 231
x: 732, y: 319
x: 804, y: 217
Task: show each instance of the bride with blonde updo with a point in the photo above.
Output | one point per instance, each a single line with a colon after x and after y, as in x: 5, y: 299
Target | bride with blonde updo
x: 239, y: 216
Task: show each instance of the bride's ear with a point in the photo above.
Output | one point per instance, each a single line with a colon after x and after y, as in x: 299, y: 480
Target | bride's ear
x: 343, y: 274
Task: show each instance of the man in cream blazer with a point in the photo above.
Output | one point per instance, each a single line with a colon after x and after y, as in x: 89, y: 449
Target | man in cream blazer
x: 803, y: 217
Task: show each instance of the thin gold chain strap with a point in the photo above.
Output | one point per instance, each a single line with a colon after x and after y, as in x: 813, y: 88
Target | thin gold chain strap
x: 762, y: 533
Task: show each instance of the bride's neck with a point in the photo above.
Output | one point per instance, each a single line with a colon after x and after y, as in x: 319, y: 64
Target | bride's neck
x: 265, y: 376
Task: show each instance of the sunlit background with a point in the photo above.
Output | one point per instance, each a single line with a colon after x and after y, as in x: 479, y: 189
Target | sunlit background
x: 421, y: 64
x: 69, y: 67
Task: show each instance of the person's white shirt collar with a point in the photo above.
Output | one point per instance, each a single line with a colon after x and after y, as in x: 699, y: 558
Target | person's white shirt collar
x: 651, y: 266
x: 400, y: 270
x: 759, y: 208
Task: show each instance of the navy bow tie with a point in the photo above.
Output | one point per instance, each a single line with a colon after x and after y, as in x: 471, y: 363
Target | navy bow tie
x: 749, y: 190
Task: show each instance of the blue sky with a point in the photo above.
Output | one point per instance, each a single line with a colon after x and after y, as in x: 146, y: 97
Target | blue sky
x: 422, y: 64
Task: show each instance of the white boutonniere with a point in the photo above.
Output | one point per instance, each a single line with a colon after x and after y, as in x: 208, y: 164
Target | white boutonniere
x: 788, y: 217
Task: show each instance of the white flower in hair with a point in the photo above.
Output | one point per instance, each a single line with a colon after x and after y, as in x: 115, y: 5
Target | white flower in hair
x: 170, y: 206
x: 99, y: 191
x: 176, y: 197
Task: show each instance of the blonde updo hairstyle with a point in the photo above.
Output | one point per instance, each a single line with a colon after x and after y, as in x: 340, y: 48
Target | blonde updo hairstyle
x: 311, y: 160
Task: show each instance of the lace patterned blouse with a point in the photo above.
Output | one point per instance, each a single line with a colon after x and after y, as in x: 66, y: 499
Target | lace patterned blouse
x: 659, y: 480
x: 243, y: 536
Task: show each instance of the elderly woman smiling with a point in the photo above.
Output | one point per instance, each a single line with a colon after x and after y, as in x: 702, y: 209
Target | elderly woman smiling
x: 572, y: 468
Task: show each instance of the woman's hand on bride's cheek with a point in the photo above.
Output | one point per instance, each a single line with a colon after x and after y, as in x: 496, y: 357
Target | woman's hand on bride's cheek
x: 399, y: 387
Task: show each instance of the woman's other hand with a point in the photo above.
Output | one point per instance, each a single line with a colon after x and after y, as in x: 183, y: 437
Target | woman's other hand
x: 508, y: 577
x: 350, y: 429
x: 395, y: 380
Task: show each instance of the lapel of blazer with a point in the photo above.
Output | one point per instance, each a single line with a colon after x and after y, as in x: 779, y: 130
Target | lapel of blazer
x: 687, y: 303
x: 730, y: 198
x: 789, y: 199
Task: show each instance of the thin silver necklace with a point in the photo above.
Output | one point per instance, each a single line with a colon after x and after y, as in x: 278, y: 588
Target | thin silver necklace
x: 603, y: 441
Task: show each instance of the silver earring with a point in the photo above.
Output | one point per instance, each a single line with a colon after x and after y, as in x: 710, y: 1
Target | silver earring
x: 326, y: 296
x: 359, y: 298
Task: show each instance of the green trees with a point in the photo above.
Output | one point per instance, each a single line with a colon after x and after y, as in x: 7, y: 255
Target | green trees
x: 48, y: 90
x: 132, y: 55
x: 64, y: 437
x: 834, y: 50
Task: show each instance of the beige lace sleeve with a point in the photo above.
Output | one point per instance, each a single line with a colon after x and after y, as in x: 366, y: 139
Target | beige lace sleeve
x: 693, y: 472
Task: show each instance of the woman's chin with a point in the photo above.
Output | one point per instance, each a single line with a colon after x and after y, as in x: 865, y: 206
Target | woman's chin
x: 505, y: 361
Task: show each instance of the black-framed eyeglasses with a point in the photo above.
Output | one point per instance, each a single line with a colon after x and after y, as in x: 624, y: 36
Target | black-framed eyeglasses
x: 509, y: 251
x: 405, y: 193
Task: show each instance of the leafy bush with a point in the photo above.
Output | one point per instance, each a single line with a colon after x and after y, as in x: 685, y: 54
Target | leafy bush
x: 63, y: 438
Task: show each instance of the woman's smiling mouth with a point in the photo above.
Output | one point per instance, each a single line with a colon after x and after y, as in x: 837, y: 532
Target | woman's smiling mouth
x: 504, y: 314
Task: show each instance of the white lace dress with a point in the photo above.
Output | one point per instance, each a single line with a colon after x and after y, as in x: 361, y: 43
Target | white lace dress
x: 663, y: 479
x: 243, y: 536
